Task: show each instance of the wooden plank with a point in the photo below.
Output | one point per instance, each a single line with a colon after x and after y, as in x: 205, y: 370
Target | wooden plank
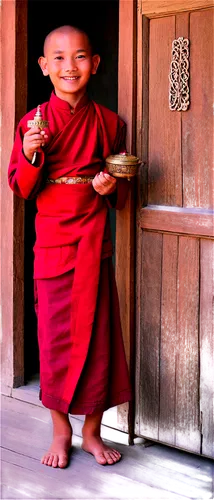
x: 197, y: 122
x: 207, y: 346
x: 25, y: 477
x: 7, y: 109
x: 165, y: 169
x: 82, y: 480
x: 187, y: 356
x: 10, y: 492
x: 159, y: 8
x: 18, y: 204
x: 142, y: 116
x: 182, y: 26
x: 142, y: 185
x: 5, y: 390
x: 150, y: 334
x: 109, y: 427
x: 14, y: 81
x: 125, y: 219
x: 195, y: 222
x: 155, y: 473
x: 168, y: 340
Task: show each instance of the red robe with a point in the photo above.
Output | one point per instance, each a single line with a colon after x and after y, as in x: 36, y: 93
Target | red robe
x: 72, y: 269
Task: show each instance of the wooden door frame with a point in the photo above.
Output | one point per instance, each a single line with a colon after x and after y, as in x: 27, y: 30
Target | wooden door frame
x: 13, y: 107
x: 160, y: 8
x: 125, y: 220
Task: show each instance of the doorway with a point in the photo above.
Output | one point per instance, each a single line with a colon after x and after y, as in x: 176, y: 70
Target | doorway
x: 100, y: 20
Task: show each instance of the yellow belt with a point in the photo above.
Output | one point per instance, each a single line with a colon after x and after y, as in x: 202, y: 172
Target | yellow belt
x: 71, y: 180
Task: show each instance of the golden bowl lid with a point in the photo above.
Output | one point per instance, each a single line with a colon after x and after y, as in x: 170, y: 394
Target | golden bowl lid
x: 123, y: 159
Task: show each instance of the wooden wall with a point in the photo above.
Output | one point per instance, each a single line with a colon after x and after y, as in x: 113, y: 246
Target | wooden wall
x: 13, y: 106
x: 175, y: 252
x: 125, y: 220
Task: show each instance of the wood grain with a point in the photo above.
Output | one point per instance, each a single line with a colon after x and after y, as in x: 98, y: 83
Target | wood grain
x: 197, y: 122
x: 182, y: 26
x: 7, y: 136
x: 156, y: 472
x: 196, y: 222
x: 142, y: 116
x: 125, y: 219
x: 168, y: 342
x: 142, y: 184
x: 187, y: 357
x: 159, y: 8
x: 165, y: 169
x: 207, y: 346
x: 181, y: 205
x: 150, y: 334
x: 14, y: 84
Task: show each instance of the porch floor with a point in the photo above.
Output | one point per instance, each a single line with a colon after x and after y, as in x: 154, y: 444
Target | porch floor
x: 154, y: 472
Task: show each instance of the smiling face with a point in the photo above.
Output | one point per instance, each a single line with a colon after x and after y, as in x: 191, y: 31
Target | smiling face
x: 69, y: 62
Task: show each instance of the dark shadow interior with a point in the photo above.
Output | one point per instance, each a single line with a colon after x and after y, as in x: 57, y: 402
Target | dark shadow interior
x: 99, y: 18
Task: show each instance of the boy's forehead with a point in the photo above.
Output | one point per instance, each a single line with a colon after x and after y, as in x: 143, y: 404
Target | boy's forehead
x: 62, y: 40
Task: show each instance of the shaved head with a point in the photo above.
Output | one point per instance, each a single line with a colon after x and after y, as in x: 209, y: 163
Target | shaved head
x: 64, y: 30
x: 69, y: 62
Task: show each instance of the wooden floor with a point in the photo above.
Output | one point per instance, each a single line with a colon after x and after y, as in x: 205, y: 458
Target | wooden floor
x: 154, y: 472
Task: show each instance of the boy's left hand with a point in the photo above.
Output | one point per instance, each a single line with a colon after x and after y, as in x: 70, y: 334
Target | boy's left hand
x: 104, y: 183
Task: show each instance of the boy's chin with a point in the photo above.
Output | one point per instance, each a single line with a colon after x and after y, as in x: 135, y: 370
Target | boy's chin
x: 71, y: 89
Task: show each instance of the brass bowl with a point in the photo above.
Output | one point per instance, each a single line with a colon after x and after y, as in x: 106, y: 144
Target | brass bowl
x: 122, y: 165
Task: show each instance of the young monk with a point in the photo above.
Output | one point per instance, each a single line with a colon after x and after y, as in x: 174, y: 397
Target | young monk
x: 82, y: 362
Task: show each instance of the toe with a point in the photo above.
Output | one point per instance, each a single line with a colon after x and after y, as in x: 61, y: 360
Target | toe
x: 63, y: 461
x: 101, y: 459
x: 114, y: 457
x: 45, y: 459
x: 50, y: 461
x: 116, y: 454
x: 109, y: 458
x: 55, y: 461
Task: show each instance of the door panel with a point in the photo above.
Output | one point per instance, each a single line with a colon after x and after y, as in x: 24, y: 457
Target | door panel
x: 164, y: 166
x: 197, y: 123
x: 175, y: 247
x: 207, y: 346
x: 187, y: 421
x: 150, y: 338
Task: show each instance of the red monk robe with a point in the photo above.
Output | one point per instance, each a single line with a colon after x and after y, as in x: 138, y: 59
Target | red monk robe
x: 82, y: 361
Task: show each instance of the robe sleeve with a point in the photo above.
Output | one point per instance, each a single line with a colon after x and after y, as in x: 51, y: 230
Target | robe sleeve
x: 117, y: 199
x: 24, y: 178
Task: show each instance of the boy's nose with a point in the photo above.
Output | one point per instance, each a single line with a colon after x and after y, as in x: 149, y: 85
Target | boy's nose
x: 70, y: 66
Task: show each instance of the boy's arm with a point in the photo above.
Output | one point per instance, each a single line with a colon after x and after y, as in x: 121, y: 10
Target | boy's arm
x: 24, y: 178
x: 118, y: 198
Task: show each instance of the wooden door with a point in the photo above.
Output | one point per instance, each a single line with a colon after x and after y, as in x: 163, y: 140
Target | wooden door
x: 175, y: 249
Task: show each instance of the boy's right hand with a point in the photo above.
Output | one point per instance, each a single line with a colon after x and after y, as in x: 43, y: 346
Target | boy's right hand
x: 33, y: 140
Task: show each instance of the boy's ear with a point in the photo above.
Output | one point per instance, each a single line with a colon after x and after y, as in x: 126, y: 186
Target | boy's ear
x: 95, y: 63
x: 43, y: 65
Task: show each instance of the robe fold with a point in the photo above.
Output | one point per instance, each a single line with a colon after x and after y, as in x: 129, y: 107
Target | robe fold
x: 73, y: 249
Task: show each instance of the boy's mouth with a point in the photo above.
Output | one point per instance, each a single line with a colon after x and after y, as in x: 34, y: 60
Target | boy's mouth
x: 70, y: 78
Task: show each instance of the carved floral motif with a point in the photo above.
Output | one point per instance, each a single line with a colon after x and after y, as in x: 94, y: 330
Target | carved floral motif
x: 179, y: 75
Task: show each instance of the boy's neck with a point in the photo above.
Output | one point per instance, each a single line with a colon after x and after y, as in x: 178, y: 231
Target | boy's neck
x: 72, y: 99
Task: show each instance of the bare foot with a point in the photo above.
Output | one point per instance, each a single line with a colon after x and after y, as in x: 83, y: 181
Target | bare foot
x: 102, y: 453
x: 58, y: 453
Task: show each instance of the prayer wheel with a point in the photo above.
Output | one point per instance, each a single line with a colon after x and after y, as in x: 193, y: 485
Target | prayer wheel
x: 122, y: 165
x: 37, y: 122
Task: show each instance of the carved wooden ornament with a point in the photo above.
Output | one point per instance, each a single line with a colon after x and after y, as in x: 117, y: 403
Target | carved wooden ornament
x: 179, y: 75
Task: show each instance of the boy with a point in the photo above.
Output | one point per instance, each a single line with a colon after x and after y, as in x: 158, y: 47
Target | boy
x: 82, y: 361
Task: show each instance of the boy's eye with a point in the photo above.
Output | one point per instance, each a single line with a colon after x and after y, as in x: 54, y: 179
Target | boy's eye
x: 59, y: 58
x: 81, y: 56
